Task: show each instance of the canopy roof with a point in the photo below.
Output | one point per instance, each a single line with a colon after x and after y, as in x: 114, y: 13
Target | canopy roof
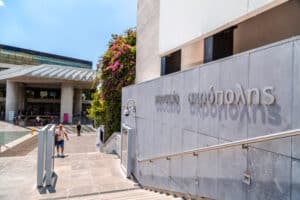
x: 49, y: 72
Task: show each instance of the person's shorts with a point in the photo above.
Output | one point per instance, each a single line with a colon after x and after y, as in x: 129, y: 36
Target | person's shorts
x: 60, y: 143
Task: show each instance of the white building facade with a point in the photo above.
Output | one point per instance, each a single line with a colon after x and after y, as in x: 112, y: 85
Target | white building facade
x: 196, y: 30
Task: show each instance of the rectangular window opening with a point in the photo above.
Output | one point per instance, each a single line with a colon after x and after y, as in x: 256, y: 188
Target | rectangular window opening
x: 171, y: 63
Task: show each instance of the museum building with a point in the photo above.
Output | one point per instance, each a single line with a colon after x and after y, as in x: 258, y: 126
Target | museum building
x: 215, y: 110
x: 40, y: 84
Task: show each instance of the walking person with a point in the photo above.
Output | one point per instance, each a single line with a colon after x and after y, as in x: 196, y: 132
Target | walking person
x: 37, y: 121
x: 60, y: 136
x: 78, y: 128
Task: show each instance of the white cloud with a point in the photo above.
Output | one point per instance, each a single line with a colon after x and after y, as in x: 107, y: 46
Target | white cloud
x: 1, y: 3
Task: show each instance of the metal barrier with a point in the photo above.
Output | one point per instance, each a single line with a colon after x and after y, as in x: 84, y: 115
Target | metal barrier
x: 243, y: 142
x: 45, y: 158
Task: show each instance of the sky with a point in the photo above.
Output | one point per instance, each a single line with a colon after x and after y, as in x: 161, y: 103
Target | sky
x: 73, y: 28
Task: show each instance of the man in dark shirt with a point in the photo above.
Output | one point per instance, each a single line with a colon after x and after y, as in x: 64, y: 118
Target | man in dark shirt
x: 78, y: 128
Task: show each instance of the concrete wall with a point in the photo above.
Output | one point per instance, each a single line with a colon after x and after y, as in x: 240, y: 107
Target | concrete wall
x: 274, y: 166
x: 147, y: 57
x: 21, y: 96
x: 66, y: 101
x: 77, y: 101
x: 15, y: 98
x: 112, y: 145
x: 182, y: 22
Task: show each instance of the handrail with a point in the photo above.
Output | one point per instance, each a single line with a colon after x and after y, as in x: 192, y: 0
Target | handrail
x: 264, y: 138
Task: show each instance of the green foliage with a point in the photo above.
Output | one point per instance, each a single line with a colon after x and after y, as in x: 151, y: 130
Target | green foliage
x: 97, y: 110
x: 117, y: 70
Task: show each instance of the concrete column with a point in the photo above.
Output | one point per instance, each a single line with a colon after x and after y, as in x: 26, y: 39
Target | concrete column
x: 21, y: 96
x: 77, y: 101
x: 66, y: 102
x: 11, y: 98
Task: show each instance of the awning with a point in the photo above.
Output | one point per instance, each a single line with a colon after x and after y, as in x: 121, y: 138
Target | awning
x: 49, y: 72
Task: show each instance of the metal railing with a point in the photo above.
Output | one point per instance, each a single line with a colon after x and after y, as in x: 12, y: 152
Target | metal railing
x: 243, y: 142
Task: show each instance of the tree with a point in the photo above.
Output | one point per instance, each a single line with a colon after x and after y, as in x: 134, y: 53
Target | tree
x: 117, y: 70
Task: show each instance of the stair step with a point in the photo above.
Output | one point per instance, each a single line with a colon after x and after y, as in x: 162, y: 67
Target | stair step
x: 138, y: 194
x: 84, y: 129
x: 145, y: 197
x: 135, y: 194
x: 121, y: 194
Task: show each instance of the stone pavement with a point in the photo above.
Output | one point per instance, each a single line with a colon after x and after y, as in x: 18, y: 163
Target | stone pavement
x: 21, y: 148
x: 18, y: 176
x: 83, y: 172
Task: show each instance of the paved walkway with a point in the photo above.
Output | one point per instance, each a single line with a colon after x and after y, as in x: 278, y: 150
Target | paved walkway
x: 82, y: 173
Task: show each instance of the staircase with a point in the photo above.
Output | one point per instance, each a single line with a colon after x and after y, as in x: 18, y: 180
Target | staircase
x: 133, y: 194
x: 84, y: 129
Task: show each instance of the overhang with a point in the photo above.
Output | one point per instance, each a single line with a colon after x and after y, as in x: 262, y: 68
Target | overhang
x: 52, y: 72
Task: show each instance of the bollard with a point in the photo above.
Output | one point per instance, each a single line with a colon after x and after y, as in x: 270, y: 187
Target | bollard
x: 32, y: 131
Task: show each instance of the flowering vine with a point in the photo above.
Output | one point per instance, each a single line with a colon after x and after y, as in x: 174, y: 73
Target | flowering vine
x: 117, y: 70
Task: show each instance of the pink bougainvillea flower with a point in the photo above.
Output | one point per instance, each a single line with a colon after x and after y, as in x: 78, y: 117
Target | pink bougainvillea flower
x: 117, y: 40
x: 113, y: 47
x: 125, y: 47
x: 117, y: 55
x: 115, y: 65
x: 117, y: 70
x: 108, y: 67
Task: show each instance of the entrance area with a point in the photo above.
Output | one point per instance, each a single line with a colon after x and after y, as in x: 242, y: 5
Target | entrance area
x: 56, y: 93
x: 50, y: 103
x: 40, y: 102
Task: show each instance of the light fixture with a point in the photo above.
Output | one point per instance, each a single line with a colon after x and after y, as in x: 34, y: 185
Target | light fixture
x: 130, y: 107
